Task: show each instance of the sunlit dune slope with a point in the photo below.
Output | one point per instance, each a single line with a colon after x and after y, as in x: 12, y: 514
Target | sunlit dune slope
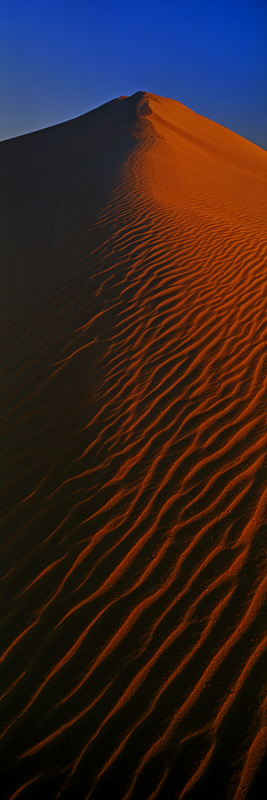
x: 133, y: 436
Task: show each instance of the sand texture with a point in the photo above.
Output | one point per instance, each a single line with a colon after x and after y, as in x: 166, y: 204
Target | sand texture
x: 134, y: 459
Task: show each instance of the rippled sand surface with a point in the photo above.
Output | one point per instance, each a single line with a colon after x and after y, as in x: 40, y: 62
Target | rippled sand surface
x: 133, y: 437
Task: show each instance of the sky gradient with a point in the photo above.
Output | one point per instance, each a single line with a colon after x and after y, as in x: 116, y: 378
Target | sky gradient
x: 62, y: 58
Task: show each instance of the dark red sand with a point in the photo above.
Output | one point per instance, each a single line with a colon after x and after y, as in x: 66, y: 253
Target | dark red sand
x: 133, y: 432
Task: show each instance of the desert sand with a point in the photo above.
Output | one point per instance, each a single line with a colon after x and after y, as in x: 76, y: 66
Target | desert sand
x: 133, y: 437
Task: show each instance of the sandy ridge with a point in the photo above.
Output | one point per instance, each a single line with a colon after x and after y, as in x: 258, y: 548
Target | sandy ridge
x: 134, y: 439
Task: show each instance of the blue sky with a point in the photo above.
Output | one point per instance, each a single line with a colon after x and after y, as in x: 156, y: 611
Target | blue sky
x: 61, y: 58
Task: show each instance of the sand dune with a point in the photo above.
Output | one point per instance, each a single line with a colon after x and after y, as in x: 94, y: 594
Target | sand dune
x: 133, y: 433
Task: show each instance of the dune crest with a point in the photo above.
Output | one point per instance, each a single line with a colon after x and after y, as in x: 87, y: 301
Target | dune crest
x: 133, y: 433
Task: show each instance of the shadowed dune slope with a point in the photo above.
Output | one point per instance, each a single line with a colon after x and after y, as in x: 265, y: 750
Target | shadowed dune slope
x: 133, y: 437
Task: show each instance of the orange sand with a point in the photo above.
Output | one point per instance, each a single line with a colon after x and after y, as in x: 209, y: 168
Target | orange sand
x: 133, y: 432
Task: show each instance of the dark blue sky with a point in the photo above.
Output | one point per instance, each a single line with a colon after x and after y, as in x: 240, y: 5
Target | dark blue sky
x: 61, y: 58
